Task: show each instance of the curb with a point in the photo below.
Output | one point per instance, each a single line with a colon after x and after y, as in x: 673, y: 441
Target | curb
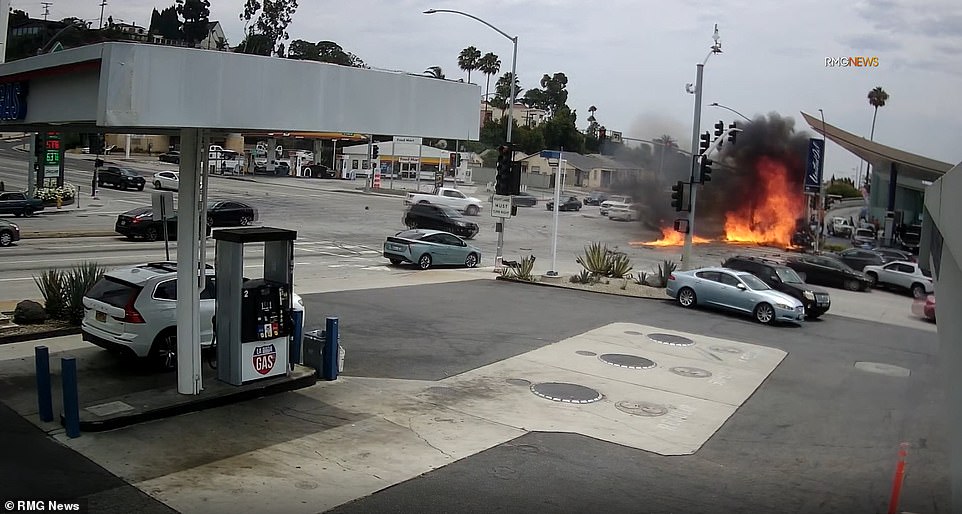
x: 61, y: 234
x: 563, y: 286
x: 20, y: 338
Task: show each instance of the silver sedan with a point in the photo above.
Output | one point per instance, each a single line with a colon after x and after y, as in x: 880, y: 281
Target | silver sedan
x: 734, y: 290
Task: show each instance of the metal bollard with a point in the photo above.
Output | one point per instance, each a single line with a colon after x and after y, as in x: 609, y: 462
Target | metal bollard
x: 44, y: 393
x: 297, y: 338
x: 331, y: 337
x: 71, y: 400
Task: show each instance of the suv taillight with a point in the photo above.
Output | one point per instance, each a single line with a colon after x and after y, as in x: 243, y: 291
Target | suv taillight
x: 131, y: 315
x: 671, y: 276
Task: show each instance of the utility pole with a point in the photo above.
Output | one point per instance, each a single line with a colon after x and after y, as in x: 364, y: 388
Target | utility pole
x: 46, y: 9
x: 696, y: 128
x: 102, y: 5
x: 4, y: 22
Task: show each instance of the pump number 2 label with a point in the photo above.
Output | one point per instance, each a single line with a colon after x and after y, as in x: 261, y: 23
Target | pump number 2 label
x: 264, y: 358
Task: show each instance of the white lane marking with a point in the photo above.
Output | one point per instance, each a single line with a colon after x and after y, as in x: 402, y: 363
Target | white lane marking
x: 15, y: 279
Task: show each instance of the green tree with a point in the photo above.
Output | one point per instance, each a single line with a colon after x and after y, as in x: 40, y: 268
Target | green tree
x: 559, y: 131
x: 434, y: 72
x: 876, y: 98
x: 552, y: 96
x: 469, y: 59
x: 255, y: 44
x: 490, y: 65
x: 196, y: 16
x: 844, y: 188
x: 322, y: 51
x: 502, y: 90
x: 17, y: 17
x: 166, y: 23
x: 270, y: 19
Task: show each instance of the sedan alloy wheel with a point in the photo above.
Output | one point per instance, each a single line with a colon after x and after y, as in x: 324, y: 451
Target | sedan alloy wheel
x: 764, y: 313
x: 471, y: 260
x: 687, y: 298
x: 424, y: 262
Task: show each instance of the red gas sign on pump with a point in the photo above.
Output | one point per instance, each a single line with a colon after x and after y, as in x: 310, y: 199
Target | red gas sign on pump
x: 264, y: 358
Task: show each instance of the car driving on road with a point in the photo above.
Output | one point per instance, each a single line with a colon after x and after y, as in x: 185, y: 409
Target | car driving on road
x: 19, y: 204
x: 439, y: 217
x: 9, y: 233
x: 123, y: 178
x: 427, y: 248
x: 571, y: 203
x: 736, y: 291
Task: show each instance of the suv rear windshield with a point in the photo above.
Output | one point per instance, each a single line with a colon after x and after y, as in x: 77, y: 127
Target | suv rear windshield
x: 113, y: 292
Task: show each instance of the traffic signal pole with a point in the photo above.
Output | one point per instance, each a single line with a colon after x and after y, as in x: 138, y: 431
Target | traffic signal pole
x: 696, y: 128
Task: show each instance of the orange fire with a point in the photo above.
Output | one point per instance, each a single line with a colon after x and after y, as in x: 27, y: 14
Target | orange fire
x: 770, y: 219
x: 669, y: 237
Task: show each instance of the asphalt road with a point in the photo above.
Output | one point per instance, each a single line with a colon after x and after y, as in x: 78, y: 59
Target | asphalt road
x: 817, y: 436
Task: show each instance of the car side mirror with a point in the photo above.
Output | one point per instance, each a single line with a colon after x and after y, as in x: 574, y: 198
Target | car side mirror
x: 741, y: 286
x: 774, y: 278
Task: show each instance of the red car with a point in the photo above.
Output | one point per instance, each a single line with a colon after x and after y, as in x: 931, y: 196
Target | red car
x: 925, y: 308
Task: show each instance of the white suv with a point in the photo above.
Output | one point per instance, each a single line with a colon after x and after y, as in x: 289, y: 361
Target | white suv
x: 621, y: 201
x: 133, y: 311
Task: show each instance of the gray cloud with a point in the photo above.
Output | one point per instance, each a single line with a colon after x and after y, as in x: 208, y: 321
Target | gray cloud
x: 939, y: 26
x: 872, y: 42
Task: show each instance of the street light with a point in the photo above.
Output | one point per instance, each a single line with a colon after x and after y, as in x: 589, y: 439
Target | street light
x: 696, y: 127
x: 716, y: 104
x: 663, y: 146
x: 514, y: 92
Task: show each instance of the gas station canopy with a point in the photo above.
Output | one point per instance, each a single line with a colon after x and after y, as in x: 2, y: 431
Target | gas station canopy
x: 880, y: 156
x: 138, y: 88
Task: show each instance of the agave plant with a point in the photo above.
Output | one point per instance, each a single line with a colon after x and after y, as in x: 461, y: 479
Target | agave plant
x: 76, y: 282
x: 582, y: 278
x: 596, y: 259
x: 664, y: 271
x: 641, y: 278
x: 619, y: 266
x: 524, y: 269
x: 51, y: 285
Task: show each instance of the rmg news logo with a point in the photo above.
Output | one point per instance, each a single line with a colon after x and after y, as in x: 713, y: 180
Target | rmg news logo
x: 846, y: 62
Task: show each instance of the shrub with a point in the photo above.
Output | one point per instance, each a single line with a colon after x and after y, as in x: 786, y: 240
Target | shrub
x: 641, y: 278
x: 49, y: 194
x: 582, y: 278
x: 664, y: 271
x: 620, y: 266
x: 522, y: 271
x: 51, y: 283
x: 596, y: 259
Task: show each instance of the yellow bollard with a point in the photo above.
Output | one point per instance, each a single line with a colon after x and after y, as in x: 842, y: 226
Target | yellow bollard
x: 59, y: 202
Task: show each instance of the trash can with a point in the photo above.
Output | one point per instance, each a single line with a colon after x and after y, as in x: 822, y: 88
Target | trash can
x: 315, y: 344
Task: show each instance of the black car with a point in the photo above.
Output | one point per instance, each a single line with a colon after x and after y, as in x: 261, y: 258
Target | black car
x: 571, y: 204
x: 439, y: 217
x: 595, y: 198
x: 782, y: 278
x: 524, y: 199
x: 858, y: 258
x: 319, y: 171
x: 139, y: 224
x: 124, y: 178
x: 828, y: 271
x: 891, y: 254
x: 9, y: 233
x: 171, y: 157
x: 230, y: 213
x: 908, y: 238
x: 19, y: 204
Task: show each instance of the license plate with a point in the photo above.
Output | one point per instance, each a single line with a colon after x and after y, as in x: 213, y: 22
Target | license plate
x: 101, y: 316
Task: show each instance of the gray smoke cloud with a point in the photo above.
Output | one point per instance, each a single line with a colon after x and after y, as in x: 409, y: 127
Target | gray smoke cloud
x: 735, y: 180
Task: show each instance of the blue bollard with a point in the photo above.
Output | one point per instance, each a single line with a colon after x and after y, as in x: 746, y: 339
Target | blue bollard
x: 44, y: 393
x: 330, y: 349
x: 71, y: 400
x: 297, y: 337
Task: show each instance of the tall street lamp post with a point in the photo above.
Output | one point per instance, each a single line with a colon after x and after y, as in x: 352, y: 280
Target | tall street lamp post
x: 716, y: 104
x: 696, y: 127
x: 514, y: 92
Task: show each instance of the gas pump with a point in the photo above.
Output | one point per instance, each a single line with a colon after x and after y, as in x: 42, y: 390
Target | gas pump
x: 253, y: 317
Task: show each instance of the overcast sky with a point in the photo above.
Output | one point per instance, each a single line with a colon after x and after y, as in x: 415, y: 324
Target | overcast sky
x: 632, y: 59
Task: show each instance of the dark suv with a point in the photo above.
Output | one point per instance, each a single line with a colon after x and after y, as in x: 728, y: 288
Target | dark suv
x: 439, y: 217
x: 123, y: 178
x: 784, y: 279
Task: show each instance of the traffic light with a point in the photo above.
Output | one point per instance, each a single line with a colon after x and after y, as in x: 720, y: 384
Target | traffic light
x: 731, y: 133
x: 705, y: 169
x: 457, y: 160
x: 704, y: 144
x: 719, y: 128
x: 374, y: 152
x: 514, y: 182
x: 678, y: 196
x: 503, y: 177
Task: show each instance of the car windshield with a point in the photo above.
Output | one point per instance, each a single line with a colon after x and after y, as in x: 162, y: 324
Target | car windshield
x: 129, y: 173
x: 450, y: 212
x: 788, y: 276
x: 753, y: 282
x: 865, y: 232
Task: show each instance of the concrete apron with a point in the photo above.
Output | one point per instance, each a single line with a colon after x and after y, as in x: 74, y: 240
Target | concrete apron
x: 314, y: 449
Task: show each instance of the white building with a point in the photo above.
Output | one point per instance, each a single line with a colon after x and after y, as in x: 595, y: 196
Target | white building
x: 402, y: 159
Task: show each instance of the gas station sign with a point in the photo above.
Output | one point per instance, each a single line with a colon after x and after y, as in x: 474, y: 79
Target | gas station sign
x: 49, y: 160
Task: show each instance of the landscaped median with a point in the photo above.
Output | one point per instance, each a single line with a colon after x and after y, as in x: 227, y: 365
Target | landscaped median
x: 605, y: 271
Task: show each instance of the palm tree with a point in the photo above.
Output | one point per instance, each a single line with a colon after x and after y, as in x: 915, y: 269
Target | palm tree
x: 591, y: 113
x: 665, y: 143
x: 490, y: 64
x: 434, y: 72
x: 468, y: 60
x: 876, y: 98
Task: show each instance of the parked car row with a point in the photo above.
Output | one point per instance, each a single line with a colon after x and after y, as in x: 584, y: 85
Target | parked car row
x: 19, y: 204
x: 139, y: 223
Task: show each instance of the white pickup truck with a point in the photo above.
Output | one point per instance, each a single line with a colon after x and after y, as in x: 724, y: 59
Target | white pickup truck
x: 448, y: 197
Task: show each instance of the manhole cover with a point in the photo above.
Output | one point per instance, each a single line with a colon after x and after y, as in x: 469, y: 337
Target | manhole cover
x: 518, y: 382
x: 568, y: 393
x: 671, y: 339
x: 725, y: 349
x: 646, y: 409
x: 586, y: 353
x: 689, y: 372
x: 627, y: 361
x: 633, y: 333
x: 883, y: 369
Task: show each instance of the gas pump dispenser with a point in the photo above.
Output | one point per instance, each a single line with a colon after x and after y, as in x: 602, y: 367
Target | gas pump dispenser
x: 253, y: 317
